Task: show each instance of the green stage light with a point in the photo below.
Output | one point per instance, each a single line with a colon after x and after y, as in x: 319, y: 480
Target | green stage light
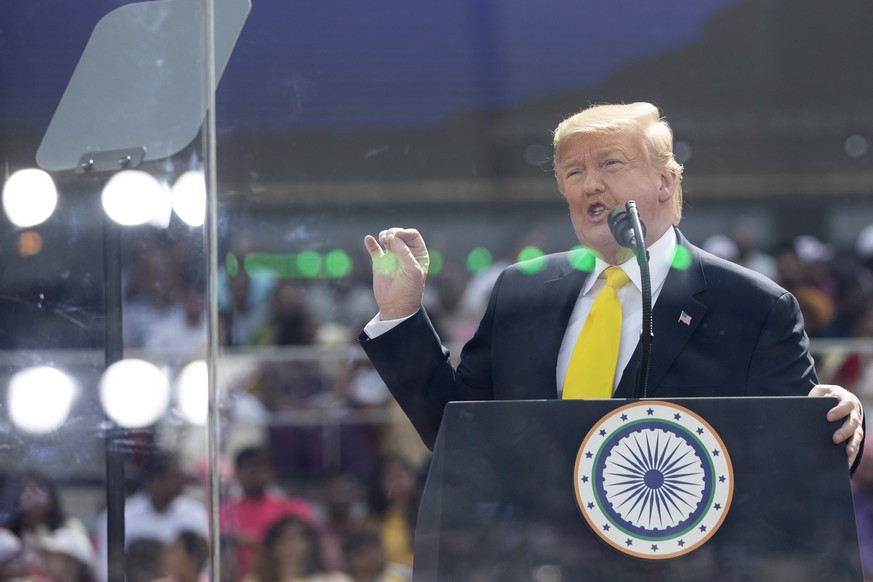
x: 436, y: 263
x: 479, y: 259
x: 581, y: 259
x: 338, y: 263
x: 309, y: 264
x: 231, y: 263
x: 531, y: 259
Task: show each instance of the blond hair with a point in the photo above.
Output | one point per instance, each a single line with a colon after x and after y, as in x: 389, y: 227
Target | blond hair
x: 641, y: 117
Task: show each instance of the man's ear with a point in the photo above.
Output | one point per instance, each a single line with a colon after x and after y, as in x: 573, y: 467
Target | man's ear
x: 667, y: 186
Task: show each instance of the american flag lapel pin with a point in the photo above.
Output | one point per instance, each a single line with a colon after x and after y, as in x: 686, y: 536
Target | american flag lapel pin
x: 685, y: 318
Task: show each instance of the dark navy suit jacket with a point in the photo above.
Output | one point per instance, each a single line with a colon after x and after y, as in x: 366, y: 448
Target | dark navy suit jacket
x: 745, y: 338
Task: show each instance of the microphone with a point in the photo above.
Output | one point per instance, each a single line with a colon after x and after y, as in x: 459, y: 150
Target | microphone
x: 630, y: 232
x: 621, y: 223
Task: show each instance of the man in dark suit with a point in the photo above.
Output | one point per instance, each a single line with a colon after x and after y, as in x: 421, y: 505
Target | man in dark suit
x: 720, y: 329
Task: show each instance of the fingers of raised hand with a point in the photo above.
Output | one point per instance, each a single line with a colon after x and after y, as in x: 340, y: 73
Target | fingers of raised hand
x: 407, y: 243
x: 387, y: 236
x: 373, y: 247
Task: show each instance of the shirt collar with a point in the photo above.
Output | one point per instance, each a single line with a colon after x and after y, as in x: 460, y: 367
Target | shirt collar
x: 661, y: 254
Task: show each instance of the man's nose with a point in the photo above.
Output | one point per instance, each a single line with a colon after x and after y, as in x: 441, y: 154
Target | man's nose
x: 592, y: 184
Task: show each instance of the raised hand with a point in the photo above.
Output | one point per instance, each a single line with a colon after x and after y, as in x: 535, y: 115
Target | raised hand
x: 400, y: 263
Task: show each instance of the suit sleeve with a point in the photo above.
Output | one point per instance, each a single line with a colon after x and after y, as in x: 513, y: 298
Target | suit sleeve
x: 781, y: 364
x: 418, y: 369
x: 781, y: 361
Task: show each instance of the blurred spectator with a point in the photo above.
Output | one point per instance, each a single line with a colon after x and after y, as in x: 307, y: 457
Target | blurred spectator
x: 180, y: 329
x: 248, y: 516
x: 862, y: 488
x: 288, y: 390
x: 243, y: 294
x: 366, y: 559
x: 363, y: 385
x: 184, y: 560
x: 864, y: 244
x: 290, y: 323
x: 151, y: 288
x: 722, y: 246
x: 38, y: 518
x: 12, y: 563
x: 227, y: 554
x: 816, y: 305
x: 294, y: 393
x: 854, y: 289
x: 474, y: 298
x: 164, y: 291
x: 291, y: 385
x: 447, y: 282
x: 395, y: 494
x: 143, y: 560
x: 292, y: 552
x: 816, y: 257
x: 346, y: 301
x: 400, y: 438
x: 395, y: 434
x: 160, y: 510
x: 747, y: 240
x: 856, y: 369
x: 343, y: 508
x: 67, y: 556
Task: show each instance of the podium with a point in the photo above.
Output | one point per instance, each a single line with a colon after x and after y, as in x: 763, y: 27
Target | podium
x: 726, y: 489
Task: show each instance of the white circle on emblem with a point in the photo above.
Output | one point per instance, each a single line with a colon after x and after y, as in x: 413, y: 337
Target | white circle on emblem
x: 653, y: 480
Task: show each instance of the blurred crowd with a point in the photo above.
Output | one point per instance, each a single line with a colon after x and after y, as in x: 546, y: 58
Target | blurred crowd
x: 834, y: 287
x: 164, y: 286
x: 338, y: 528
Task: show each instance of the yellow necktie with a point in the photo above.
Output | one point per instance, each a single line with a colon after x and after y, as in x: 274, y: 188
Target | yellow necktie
x: 591, y: 372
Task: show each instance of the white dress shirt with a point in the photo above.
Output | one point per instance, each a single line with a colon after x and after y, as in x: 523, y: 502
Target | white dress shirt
x: 661, y: 255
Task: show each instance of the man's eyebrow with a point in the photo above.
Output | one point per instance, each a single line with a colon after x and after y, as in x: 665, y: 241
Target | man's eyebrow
x: 611, y: 150
x: 597, y: 152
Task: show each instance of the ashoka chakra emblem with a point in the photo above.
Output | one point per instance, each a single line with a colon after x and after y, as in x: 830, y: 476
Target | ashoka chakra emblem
x: 653, y: 480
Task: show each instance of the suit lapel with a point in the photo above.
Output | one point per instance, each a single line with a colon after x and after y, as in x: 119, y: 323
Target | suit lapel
x: 675, y: 317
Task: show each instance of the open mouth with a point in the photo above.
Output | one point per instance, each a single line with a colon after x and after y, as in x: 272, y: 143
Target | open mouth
x: 597, y: 210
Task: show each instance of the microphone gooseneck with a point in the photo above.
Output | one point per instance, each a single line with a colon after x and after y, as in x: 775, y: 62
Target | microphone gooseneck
x: 630, y: 232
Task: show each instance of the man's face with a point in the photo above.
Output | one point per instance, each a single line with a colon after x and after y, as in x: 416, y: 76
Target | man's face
x: 598, y: 172
x: 255, y: 477
x: 166, y: 487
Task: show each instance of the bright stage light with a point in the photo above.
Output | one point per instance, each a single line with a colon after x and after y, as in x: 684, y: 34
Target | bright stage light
x: 29, y: 197
x: 189, y: 198
x: 133, y: 197
x: 40, y: 399
x: 134, y: 393
x: 193, y: 392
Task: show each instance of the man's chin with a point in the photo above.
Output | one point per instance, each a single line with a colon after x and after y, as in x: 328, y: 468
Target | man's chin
x: 610, y: 252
